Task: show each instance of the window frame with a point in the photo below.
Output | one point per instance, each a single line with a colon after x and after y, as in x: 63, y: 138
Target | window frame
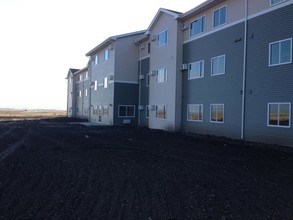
x: 106, y: 54
x: 279, y: 2
x: 201, y: 105
x: 147, y: 81
x: 147, y: 111
x: 270, y: 52
x: 126, y: 116
x: 96, y: 59
x: 202, y: 70
x: 165, y: 112
x: 166, y: 38
x: 165, y: 75
x: 203, y: 24
x: 106, y: 82
x: 217, y: 122
x: 226, y: 16
x: 268, y: 114
x: 216, y: 57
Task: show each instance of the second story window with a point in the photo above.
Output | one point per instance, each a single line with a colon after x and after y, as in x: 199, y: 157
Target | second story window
x: 106, y: 82
x: 106, y: 54
x: 197, y: 27
x: 196, y: 70
x: 162, y: 75
x: 281, y: 52
x: 96, y: 59
x: 218, y: 65
x: 220, y: 16
x: 149, y: 48
x: 162, y: 38
x: 274, y: 2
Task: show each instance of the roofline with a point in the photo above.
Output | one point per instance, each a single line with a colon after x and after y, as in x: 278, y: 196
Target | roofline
x: 200, y: 8
x: 81, y: 70
x: 70, y: 72
x: 142, y: 38
x: 111, y: 39
x: 162, y: 10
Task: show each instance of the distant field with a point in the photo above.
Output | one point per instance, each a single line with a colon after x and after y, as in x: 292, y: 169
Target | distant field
x: 27, y: 114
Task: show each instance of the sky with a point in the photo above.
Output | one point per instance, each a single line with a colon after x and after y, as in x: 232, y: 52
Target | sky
x: 41, y: 39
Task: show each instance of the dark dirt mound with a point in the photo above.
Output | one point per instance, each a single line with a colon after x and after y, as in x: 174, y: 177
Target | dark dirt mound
x: 61, y: 170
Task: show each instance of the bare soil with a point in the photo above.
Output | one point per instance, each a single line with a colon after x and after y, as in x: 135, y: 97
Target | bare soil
x: 57, y: 169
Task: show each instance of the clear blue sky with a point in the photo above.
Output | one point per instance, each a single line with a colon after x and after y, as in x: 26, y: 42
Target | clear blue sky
x: 41, y: 39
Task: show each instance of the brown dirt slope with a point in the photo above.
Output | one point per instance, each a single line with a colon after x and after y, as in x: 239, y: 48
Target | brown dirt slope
x: 52, y: 169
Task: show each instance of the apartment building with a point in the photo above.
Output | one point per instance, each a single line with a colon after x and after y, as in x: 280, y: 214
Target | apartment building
x: 78, y: 90
x: 222, y: 68
x: 113, y: 71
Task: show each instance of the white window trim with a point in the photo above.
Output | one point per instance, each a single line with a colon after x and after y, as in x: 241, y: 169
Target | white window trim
x: 214, y: 27
x: 200, y: 61
x: 167, y: 38
x: 278, y: 64
x: 201, y: 112
x: 268, y: 114
x: 218, y: 74
x: 166, y: 74
x: 192, y: 36
x: 96, y: 85
x: 86, y: 93
x: 217, y: 122
x: 271, y: 4
x: 165, y: 111
x: 126, y: 112
x: 96, y: 59
x: 106, y: 82
x: 108, y: 53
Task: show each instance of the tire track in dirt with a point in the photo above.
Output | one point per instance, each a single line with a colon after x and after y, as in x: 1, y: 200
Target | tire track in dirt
x: 15, y: 145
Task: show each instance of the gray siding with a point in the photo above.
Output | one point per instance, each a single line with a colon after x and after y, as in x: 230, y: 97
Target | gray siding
x: 267, y: 84
x: 222, y: 89
x: 125, y: 94
x: 144, y: 90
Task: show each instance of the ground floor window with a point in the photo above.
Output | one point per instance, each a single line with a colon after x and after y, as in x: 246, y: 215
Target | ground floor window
x: 147, y: 112
x: 195, y: 112
x: 160, y: 111
x: 126, y: 111
x: 217, y: 113
x: 279, y: 114
x: 105, y: 110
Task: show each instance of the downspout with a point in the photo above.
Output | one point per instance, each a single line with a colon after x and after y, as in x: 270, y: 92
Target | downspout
x: 244, y: 72
x: 139, y: 86
x: 90, y: 89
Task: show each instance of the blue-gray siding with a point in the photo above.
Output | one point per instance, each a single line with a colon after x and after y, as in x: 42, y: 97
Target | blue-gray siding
x: 267, y: 84
x: 222, y: 89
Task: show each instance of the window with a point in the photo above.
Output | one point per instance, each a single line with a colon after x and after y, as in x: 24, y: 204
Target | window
x: 79, y: 94
x: 96, y: 85
x: 162, y: 38
x: 279, y: 114
x: 86, y: 75
x: 281, y: 52
x: 79, y: 78
x: 106, y: 83
x: 161, y: 111
x: 195, y: 112
x: 149, y: 48
x: 197, y: 27
x: 196, y: 70
x: 147, y: 79
x: 96, y: 59
x: 100, y: 110
x: 220, y: 16
x: 106, y: 54
x: 105, y: 110
x: 162, y: 75
x: 218, y: 65
x: 217, y: 113
x: 126, y: 111
x: 85, y: 92
x: 147, y: 112
x: 274, y: 2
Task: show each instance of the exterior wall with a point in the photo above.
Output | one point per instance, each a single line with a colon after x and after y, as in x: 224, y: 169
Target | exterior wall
x: 221, y: 89
x: 102, y: 96
x: 235, y: 13
x: 125, y: 94
x: 165, y: 57
x: 256, y: 7
x: 126, y: 56
x: 70, y: 97
x: 267, y: 84
x: 81, y: 104
x: 144, y: 69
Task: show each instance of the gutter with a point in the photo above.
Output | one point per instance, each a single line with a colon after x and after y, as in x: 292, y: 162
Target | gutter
x: 244, y: 72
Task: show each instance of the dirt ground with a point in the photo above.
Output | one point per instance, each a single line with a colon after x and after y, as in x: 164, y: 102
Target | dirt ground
x: 57, y: 169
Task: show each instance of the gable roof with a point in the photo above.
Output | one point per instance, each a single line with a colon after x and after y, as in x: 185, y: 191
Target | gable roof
x: 175, y: 15
x: 111, y: 39
x: 200, y: 8
x: 70, y: 73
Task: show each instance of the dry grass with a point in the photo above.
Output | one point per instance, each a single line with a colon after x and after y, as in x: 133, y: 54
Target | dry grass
x: 28, y: 114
